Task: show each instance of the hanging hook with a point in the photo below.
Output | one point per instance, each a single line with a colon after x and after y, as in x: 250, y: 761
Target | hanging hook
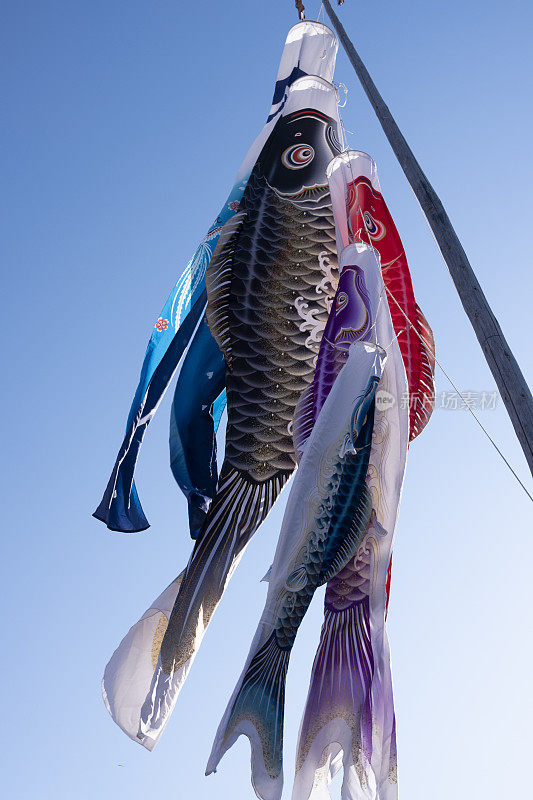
x: 301, y: 8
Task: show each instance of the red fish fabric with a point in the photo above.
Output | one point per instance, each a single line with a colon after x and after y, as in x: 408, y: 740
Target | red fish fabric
x: 368, y: 220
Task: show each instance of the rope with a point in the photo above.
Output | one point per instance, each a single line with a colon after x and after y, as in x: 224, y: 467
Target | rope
x: 487, y: 434
x: 427, y: 344
x: 323, y: 23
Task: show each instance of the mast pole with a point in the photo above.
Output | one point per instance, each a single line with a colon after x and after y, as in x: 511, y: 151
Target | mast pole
x: 502, y: 363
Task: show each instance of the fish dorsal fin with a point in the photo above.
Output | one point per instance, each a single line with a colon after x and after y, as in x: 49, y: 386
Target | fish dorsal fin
x: 426, y: 381
x: 335, y: 561
x: 218, y: 283
x: 303, y: 420
x: 352, y: 508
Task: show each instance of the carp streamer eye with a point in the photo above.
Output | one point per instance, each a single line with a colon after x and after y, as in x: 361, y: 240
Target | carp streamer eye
x: 374, y: 228
x: 297, y: 156
x: 342, y: 302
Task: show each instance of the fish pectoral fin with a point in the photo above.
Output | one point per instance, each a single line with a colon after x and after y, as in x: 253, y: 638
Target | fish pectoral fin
x: 218, y: 283
x: 297, y: 580
x: 304, y: 420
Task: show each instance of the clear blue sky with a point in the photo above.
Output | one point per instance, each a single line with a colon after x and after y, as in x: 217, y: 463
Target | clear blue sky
x: 125, y: 124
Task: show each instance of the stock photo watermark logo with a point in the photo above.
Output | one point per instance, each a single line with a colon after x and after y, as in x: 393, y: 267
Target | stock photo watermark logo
x: 447, y: 400
x: 384, y: 400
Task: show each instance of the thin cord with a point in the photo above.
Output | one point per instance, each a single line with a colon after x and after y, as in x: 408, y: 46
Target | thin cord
x: 344, y: 129
x: 321, y: 11
x: 430, y: 348
x: 373, y: 326
x: 487, y: 434
x: 344, y: 140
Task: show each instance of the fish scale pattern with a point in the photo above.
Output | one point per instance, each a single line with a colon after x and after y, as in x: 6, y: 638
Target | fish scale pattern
x: 274, y: 320
x: 351, y: 585
x: 334, y: 357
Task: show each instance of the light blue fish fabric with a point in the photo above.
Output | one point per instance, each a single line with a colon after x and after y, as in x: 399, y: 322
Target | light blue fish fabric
x: 120, y: 507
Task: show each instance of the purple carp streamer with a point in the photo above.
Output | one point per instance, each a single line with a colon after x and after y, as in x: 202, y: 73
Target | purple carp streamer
x: 349, y: 716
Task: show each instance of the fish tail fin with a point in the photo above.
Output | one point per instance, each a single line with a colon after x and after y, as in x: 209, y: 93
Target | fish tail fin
x: 239, y: 507
x: 336, y: 729
x: 256, y: 710
x: 130, y: 670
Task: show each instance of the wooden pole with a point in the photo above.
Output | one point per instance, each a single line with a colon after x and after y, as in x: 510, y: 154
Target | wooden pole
x: 503, y: 365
